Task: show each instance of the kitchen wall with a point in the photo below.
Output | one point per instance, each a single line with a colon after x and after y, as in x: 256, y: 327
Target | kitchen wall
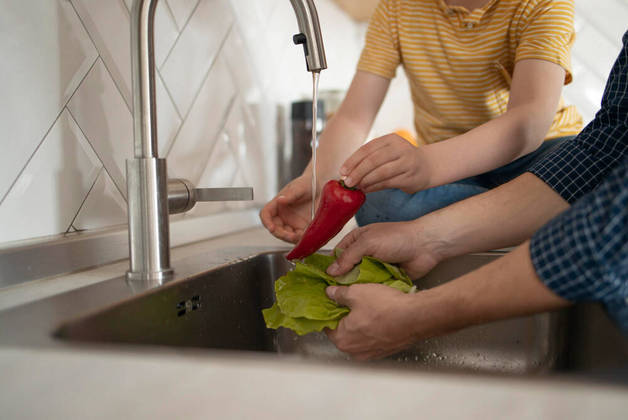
x: 224, y: 68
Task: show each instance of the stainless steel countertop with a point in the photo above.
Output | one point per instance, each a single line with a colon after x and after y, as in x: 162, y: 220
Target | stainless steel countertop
x: 127, y: 382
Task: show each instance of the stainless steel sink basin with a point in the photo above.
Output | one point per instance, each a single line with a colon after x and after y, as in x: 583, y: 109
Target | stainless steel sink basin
x: 220, y: 309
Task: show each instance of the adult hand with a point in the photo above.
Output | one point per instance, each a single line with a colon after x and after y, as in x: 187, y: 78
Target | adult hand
x: 287, y: 215
x: 387, y: 162
x: 380, y: 322
x: 409, y: 244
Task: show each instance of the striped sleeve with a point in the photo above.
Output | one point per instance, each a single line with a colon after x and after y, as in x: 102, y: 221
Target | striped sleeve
x: 546, y: 32
x: 381, y: 55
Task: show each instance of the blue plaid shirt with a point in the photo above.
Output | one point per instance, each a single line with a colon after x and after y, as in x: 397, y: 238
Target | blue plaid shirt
x: 582, y: 255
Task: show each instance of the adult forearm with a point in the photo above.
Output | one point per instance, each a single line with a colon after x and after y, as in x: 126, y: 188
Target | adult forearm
x: 505, y: 288
x: 504, y: 216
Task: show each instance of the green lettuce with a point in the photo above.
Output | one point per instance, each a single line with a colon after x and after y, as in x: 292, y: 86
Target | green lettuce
x: 301, y: 303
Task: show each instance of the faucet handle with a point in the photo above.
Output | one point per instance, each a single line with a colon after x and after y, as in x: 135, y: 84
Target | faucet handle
x: 224, y: 194
x: 182, y: 195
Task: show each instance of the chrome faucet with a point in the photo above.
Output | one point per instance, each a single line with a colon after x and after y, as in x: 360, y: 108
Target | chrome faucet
x: 151, y: 195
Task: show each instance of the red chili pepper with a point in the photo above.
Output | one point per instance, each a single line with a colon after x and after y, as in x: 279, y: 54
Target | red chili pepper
x: 338, y: 204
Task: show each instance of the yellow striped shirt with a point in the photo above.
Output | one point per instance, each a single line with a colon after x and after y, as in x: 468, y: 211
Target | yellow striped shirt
x: 459, y: 63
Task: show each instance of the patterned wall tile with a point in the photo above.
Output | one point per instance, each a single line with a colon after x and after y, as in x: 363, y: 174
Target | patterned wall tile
x: 108, y: 24
x: 46, y: 53
x: 246, y: 144
x: 182, y: 10
x: 107, y: 123
x: 50, y: 190
x: 192, y: 56
x: 103, y: 207
x: 241, y: 67
x: 166, y: 32
x: 192, y: 147
x: 168, y: 119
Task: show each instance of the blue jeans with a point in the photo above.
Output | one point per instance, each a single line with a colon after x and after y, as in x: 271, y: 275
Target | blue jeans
x: 395, y: 205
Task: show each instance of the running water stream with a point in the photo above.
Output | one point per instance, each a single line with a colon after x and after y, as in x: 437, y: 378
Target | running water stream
x: 314, y: 143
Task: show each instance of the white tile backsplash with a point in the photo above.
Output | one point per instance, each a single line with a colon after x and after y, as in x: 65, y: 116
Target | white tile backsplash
x: 107, y: 123
x: 168, y: 118
x: 224, y: 68
x: 46, y: 53
x: 191, y: 150
x: 182, y: 10
x: 49, y: 192
x: 108, y: 23
x: 103, y: 207
x: 167, y: 34
x: 195, y: 50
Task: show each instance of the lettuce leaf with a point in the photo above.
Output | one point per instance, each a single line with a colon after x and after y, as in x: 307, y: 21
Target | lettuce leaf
x: 301, y: 302
x: 299, y: 296
x: 275, y: 318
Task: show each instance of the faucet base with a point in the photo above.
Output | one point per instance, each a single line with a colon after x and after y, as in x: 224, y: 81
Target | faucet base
x: 149, y: 236
x: 158, y: 278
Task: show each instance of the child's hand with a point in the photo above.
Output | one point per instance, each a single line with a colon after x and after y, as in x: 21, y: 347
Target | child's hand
x: 287, y: 215
x: 387, y: 162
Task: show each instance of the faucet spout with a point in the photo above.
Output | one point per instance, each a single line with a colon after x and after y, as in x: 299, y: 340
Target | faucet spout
x: 149, y: 198
x: 310, y: 35
x: 143, y: 69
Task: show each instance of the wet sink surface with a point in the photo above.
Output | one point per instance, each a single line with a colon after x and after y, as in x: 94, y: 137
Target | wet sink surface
x: 221, y: 309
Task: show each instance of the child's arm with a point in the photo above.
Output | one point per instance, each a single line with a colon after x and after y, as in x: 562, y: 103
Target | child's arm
x: 390, y: 162
x: 534, y: 96
x: 287, y: 215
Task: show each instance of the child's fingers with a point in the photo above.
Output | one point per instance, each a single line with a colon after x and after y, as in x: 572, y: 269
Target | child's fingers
x: 380, y: 174
x: 359, y: 155
x: 268, y: 212
x: 394, y: 182
x: 369, y: 165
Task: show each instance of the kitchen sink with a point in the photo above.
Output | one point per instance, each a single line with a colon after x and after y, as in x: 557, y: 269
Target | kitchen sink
x: 220, y: 309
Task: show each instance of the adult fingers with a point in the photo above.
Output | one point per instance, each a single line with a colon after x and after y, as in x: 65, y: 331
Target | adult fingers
x: 353, y: 249
x: 350, y: 238
x: 340, y: 294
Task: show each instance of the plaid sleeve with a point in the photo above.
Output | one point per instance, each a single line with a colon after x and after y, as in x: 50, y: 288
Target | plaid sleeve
x: 546, y: 32
x: 381, y: 55
x: 579, y: 165
x: 582, y: 255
